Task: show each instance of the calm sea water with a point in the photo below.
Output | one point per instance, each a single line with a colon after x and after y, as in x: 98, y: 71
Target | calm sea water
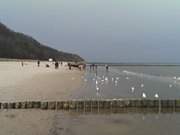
x: 131, y: 82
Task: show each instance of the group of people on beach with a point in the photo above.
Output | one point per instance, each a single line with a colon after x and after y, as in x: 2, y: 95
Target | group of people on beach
x: 95, y: 67
x: 78, y: 66
x: 56, y: 65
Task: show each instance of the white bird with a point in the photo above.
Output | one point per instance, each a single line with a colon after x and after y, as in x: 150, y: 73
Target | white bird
x: 144, y: 95
x: 97, y: 88
x: 170, y: 85
x: 127, y: 78
x: 96, y: 82
x: 116, y: 83
x: 142, y: 85
x: 174, y: 77
x: 112, y: 79
x: 106, y: 79
x: 132, y: 89
x: 156, y: 95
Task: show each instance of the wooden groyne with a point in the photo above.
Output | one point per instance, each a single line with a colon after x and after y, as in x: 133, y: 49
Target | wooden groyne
x: 118, y: 105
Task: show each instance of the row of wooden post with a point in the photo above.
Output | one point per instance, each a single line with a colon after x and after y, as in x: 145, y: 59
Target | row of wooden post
x: 93, y: 104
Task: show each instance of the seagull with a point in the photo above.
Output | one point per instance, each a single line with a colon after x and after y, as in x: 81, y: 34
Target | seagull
x: 96, y: 82
x: 156, y: 95
x: 142, y: 85
x: 132, y: 89
x: 106, y: 79
x: 116, y: 83
x: 170, y: 85
x: 102, y: 80
x: 97, y: 88
x: 144, y: 95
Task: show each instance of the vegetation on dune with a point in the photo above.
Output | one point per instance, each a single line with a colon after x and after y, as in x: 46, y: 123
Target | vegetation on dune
x: 15, y: 45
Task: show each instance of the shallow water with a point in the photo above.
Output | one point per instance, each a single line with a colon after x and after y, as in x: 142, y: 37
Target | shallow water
x: 131, y: 82
x: 126, y: 124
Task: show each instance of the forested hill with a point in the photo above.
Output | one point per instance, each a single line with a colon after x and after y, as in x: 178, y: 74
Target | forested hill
x: 15, y: 45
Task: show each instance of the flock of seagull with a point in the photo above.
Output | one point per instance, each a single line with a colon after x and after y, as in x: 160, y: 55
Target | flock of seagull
x: 104, y: 79
x: 99, y: 81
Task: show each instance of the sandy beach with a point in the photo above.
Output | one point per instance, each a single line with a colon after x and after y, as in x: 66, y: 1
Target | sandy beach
x: 30, y: 82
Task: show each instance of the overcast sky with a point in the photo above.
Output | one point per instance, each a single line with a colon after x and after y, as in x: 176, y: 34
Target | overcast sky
x: 101, y: 30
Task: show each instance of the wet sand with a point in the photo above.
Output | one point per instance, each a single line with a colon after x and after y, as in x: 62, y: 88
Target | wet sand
x: 38, y: 122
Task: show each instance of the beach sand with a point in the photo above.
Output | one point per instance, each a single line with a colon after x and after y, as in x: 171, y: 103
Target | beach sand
x: 29, y: 83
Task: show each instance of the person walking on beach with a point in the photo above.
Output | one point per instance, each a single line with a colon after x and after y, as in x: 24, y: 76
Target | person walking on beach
x: 22, y: 63
x: 69, y: 65
x: 56, y: 65
x: 38, y: 63
x: 107, y: 67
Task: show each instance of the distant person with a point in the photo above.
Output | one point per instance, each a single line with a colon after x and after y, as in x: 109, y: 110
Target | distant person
x: 96, y: 66
x: 47, y: 65
x: 93, y: 65
x: 22, y: 63
x: 38, y: 63
x: 56, y: 65
x: 69, y: 65
x: 107, y: 67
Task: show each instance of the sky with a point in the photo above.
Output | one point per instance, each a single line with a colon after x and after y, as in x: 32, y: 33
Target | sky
x: 101, y: 30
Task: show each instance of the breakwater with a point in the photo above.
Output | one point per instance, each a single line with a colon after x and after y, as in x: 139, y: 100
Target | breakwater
x: 111, y: 105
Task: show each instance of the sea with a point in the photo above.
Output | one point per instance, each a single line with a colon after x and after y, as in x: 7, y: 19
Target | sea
x: 131, y: 82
